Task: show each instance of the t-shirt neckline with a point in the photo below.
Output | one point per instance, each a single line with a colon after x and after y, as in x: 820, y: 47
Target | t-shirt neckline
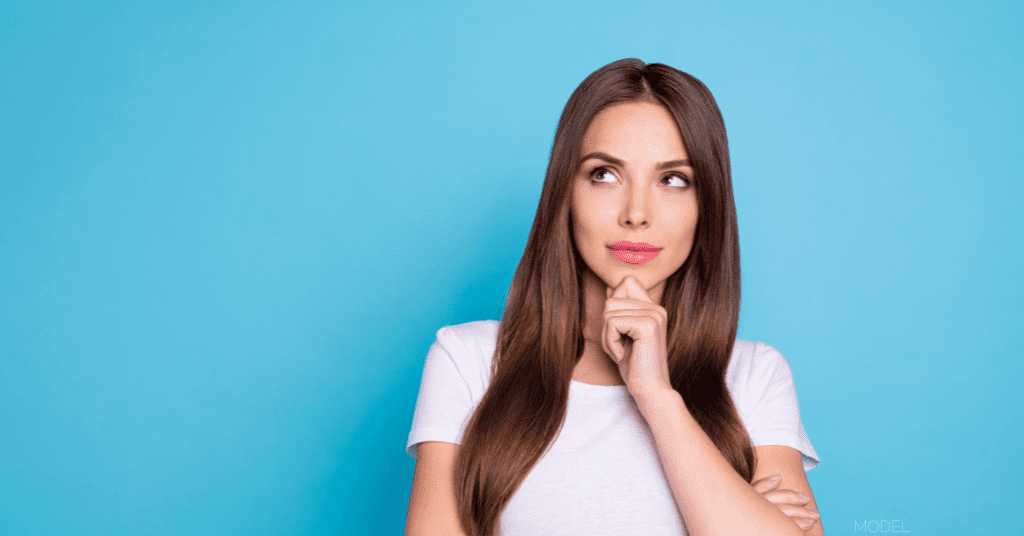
x: 598, y: 391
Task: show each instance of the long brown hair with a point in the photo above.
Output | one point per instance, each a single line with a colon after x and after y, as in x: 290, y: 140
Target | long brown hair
x: 540, y: 338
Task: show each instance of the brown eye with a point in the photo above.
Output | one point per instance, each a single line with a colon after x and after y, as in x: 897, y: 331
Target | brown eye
x: 682, y: 180
x: 600, y: 172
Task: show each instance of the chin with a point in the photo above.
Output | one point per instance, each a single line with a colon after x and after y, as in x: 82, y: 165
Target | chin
x: 612, y: 278
x: 611, y: 274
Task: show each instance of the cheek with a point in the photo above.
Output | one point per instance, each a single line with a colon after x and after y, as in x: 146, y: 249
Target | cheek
x: 688, y: 219
x: 687, y: 230
x: 691, y: 227
x: 586, y: 218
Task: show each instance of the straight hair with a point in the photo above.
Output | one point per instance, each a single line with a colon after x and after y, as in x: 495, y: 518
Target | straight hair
x: 540, y: 338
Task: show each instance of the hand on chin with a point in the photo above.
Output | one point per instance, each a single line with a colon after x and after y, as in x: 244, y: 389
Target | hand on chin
x: 634, y: 335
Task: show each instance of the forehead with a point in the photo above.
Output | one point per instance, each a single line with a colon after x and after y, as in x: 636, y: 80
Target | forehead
x: 634, y: 129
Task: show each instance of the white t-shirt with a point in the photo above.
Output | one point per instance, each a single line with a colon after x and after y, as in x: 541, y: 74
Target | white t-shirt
x: 603, y: 474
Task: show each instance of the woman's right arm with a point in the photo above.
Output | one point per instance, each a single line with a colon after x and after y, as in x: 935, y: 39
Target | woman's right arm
x: 432, y: 500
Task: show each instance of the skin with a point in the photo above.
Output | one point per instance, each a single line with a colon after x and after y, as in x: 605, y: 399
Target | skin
x: 640, y: 190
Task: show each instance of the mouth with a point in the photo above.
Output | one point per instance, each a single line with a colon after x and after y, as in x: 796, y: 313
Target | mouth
x: 634, y: 252
x: 634, y: 246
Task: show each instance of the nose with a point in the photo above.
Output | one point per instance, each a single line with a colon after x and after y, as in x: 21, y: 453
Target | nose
x: 636, y: 212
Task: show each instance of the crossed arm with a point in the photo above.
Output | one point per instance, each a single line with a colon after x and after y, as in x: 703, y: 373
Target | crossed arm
x: 787, y: 462
x: 712, y: 497
x: 432, y: 504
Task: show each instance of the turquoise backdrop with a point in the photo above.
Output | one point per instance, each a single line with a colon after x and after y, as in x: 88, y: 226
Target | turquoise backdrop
x: 230, y: 230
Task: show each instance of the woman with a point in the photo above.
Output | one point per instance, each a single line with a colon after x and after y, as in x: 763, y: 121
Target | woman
x: 613, y: 397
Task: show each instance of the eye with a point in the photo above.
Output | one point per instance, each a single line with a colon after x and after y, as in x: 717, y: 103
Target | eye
x: 601, y: 172
x: 682, y: 180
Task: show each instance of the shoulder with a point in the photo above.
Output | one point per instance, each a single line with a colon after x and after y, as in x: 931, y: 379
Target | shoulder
x: 471, y: 346
x: 764, y: 393
x: 748, y: 355
x: 754, y: 364
x: 479, y: 332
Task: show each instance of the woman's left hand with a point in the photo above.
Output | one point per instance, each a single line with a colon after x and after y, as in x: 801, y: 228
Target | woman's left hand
x: 788, y: 502
x: 634, y: 335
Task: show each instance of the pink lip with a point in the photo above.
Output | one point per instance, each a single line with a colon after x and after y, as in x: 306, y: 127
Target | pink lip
x: 635, y: 246
x: 634, y: 252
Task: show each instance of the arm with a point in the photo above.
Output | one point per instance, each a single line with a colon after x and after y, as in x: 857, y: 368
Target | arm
x: 432, y: 510
x: 788, y: 462
x: 712, y: 497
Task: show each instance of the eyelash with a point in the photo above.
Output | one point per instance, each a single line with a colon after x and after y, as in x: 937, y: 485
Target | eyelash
x: 684, y: 178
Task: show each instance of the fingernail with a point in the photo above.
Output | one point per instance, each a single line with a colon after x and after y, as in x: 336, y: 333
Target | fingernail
x: 802, y: 496
x: 813, y: 511
x: 775, y: 477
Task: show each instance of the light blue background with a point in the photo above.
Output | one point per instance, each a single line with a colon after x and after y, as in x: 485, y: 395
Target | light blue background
x: 228, y: 234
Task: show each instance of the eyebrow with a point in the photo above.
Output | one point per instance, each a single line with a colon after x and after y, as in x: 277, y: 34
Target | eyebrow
x: 609, y: 158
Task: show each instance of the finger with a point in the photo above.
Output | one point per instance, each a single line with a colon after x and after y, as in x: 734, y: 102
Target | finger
x: 621, y: 304
x: 611, y: 341
x: 630, y: 288
x: 612, y: 304
x: 766, y: 484
x: 804, y: 520
x: 636, y: 291
x: 787, y: 496
x: 647, y: 308
x: 794, y: 511
x: 620, y: 291
x: 633, y: 324
x: 772, y: 478
x: 804, y: 523
x: 620, y: 332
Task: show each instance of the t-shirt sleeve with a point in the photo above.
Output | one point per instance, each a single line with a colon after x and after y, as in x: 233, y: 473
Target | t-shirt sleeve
x: 775, y: 412
x: 444, y: 403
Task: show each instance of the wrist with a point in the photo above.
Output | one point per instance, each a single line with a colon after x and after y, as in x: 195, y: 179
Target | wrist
x: 650, y: 401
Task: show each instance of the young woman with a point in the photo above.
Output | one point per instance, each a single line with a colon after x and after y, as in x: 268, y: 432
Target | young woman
x: 613, y: 397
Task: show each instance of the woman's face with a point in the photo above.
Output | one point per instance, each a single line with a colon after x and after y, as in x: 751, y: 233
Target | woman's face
x: 633, y: 183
